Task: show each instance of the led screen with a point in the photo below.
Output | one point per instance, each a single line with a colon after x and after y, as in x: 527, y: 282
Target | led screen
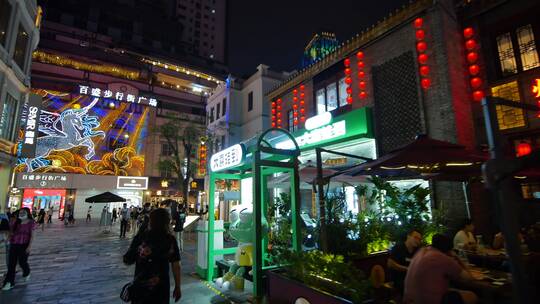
x: 88, y: 135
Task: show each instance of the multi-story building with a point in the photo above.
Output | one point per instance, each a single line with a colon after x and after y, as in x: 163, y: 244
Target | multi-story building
x: 238, y: 109
x: 19, y: 36
x: 204, y: 27
x: 505, y: 36
x: 379, y: 90
x: 160, y: 28
x: 100, y: 108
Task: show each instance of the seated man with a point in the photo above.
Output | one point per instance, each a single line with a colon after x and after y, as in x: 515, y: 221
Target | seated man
x: 430, y: 271
x: 400, y: 257
x: 464, y: 238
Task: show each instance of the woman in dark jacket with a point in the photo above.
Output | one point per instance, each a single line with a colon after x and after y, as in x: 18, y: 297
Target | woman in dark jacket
x: 152, y: 251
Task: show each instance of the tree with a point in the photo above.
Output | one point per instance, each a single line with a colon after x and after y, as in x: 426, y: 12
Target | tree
x: 183, y: 140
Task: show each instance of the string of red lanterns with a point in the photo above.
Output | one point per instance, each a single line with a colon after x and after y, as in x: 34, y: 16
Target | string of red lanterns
x: 421, y: 48
x: 274, y: 113
x: 475, y: 80
x: 361, y: 76
x: 295, y: 107
x: 302, y: 104
x: 348, y: 79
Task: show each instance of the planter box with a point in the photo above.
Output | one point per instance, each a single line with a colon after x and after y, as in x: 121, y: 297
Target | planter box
x: 365, y: 264
x: 282, y: 290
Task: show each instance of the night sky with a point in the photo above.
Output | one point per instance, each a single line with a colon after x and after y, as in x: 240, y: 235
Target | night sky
x: 275, y: 32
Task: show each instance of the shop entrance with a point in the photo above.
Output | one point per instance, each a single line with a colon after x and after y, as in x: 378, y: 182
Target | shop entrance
x: 44, y: 199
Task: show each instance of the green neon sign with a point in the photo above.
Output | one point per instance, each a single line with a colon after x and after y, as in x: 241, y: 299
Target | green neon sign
x: 352, y: 125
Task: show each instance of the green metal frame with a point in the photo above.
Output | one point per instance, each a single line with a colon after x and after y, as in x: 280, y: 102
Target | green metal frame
x: 275, y: 161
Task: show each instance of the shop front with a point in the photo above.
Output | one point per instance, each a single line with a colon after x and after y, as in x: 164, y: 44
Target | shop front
x: 45, y: 190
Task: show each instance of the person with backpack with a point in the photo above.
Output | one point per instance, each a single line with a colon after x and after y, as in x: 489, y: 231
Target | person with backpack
x: 20, y: 244
x: 152, y: 251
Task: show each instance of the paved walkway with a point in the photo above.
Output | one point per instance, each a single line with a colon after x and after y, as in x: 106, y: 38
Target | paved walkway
x: 80, y: 264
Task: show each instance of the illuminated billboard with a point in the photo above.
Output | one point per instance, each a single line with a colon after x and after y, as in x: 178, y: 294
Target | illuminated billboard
x: 88, y: 135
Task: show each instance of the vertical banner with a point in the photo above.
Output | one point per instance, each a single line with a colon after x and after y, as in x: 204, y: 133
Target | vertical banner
x: 31, y: 128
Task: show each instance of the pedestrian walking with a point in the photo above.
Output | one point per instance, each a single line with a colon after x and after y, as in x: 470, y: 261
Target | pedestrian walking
x: 4, y: 234
x: 114, y: 215
x: 89, y: 214
x: 124, y: 218
x: 152, y: 251
x: 50, y: 214
x: 20, y: 245
x: 41, y: 219
x: 179, y: 226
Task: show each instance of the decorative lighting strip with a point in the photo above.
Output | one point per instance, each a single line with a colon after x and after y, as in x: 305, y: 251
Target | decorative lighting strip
x: 536, y: 92
x: 361, y: 76
x: 348, y: 79
x: 421, y: 47
x: 302, y: 103
x: 181, y: 69
x: 475, y: 80
x: 295, y: 107
x: 58, y: 60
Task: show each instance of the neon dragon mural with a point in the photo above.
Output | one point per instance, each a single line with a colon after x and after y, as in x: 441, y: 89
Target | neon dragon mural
x: 101, y: 137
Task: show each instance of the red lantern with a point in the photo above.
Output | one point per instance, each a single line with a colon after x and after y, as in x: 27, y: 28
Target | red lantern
x: 362, y: 85
x: 421, y: 46
x: 360, y: 55
x: 295, y: 114
x: 279, y: 100
x: 349, y: 90
x: 361, y: 74
x: 303, y: 118
x: 279, y: 121
x: 273, y: 117
x: 348, y: 80
x: 472, y: 57
x: 273, y: 111
x: 468, y: 32
x: 279, y: 108
x: 360, y: 64
x: 295, y: 98
x: 273, y: 104
x: 295, y: 91
x: 476, y: 82
x: 420, y: 34
x: 296, y: 122
x: 478, y: 95
x: 349, y: 100
x: 279, y: 114
x: 348, y: 71
x: 424, y: 70
x: 422, y: 58
x: 418, y: 22
x: 302, y: 95
x: 524, y: 148
x: 362, y: 95
x: 302, y: 87
x: 347, y: 62
x: 470, y: 44
x: 425, y: 83
x: 302, y: 102
x: 474, y: 69
x: 273, y: 125
x: 295, y: 106
x: 302, y: 110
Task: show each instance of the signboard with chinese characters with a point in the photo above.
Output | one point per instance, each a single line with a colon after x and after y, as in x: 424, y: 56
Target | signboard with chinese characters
x: 117, y: 95
x: 130, y: 182
x: 331, y: 130
x: 43, y: 180
x: 30, y: 130
x: 228, y: 158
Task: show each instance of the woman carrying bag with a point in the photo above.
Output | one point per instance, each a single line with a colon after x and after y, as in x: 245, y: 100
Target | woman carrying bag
x: 152, y: 251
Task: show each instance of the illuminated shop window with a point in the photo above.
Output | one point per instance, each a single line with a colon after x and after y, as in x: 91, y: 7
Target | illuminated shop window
x: 527, y: 47
x: 506, y: 54
x: 508, y: 117
x: 530, y: 190
x: 331, y: 97
x: 342, y: 92
x: 321, y: 101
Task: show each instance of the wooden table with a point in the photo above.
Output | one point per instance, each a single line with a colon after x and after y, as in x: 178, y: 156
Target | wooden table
x: 485, y: 288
